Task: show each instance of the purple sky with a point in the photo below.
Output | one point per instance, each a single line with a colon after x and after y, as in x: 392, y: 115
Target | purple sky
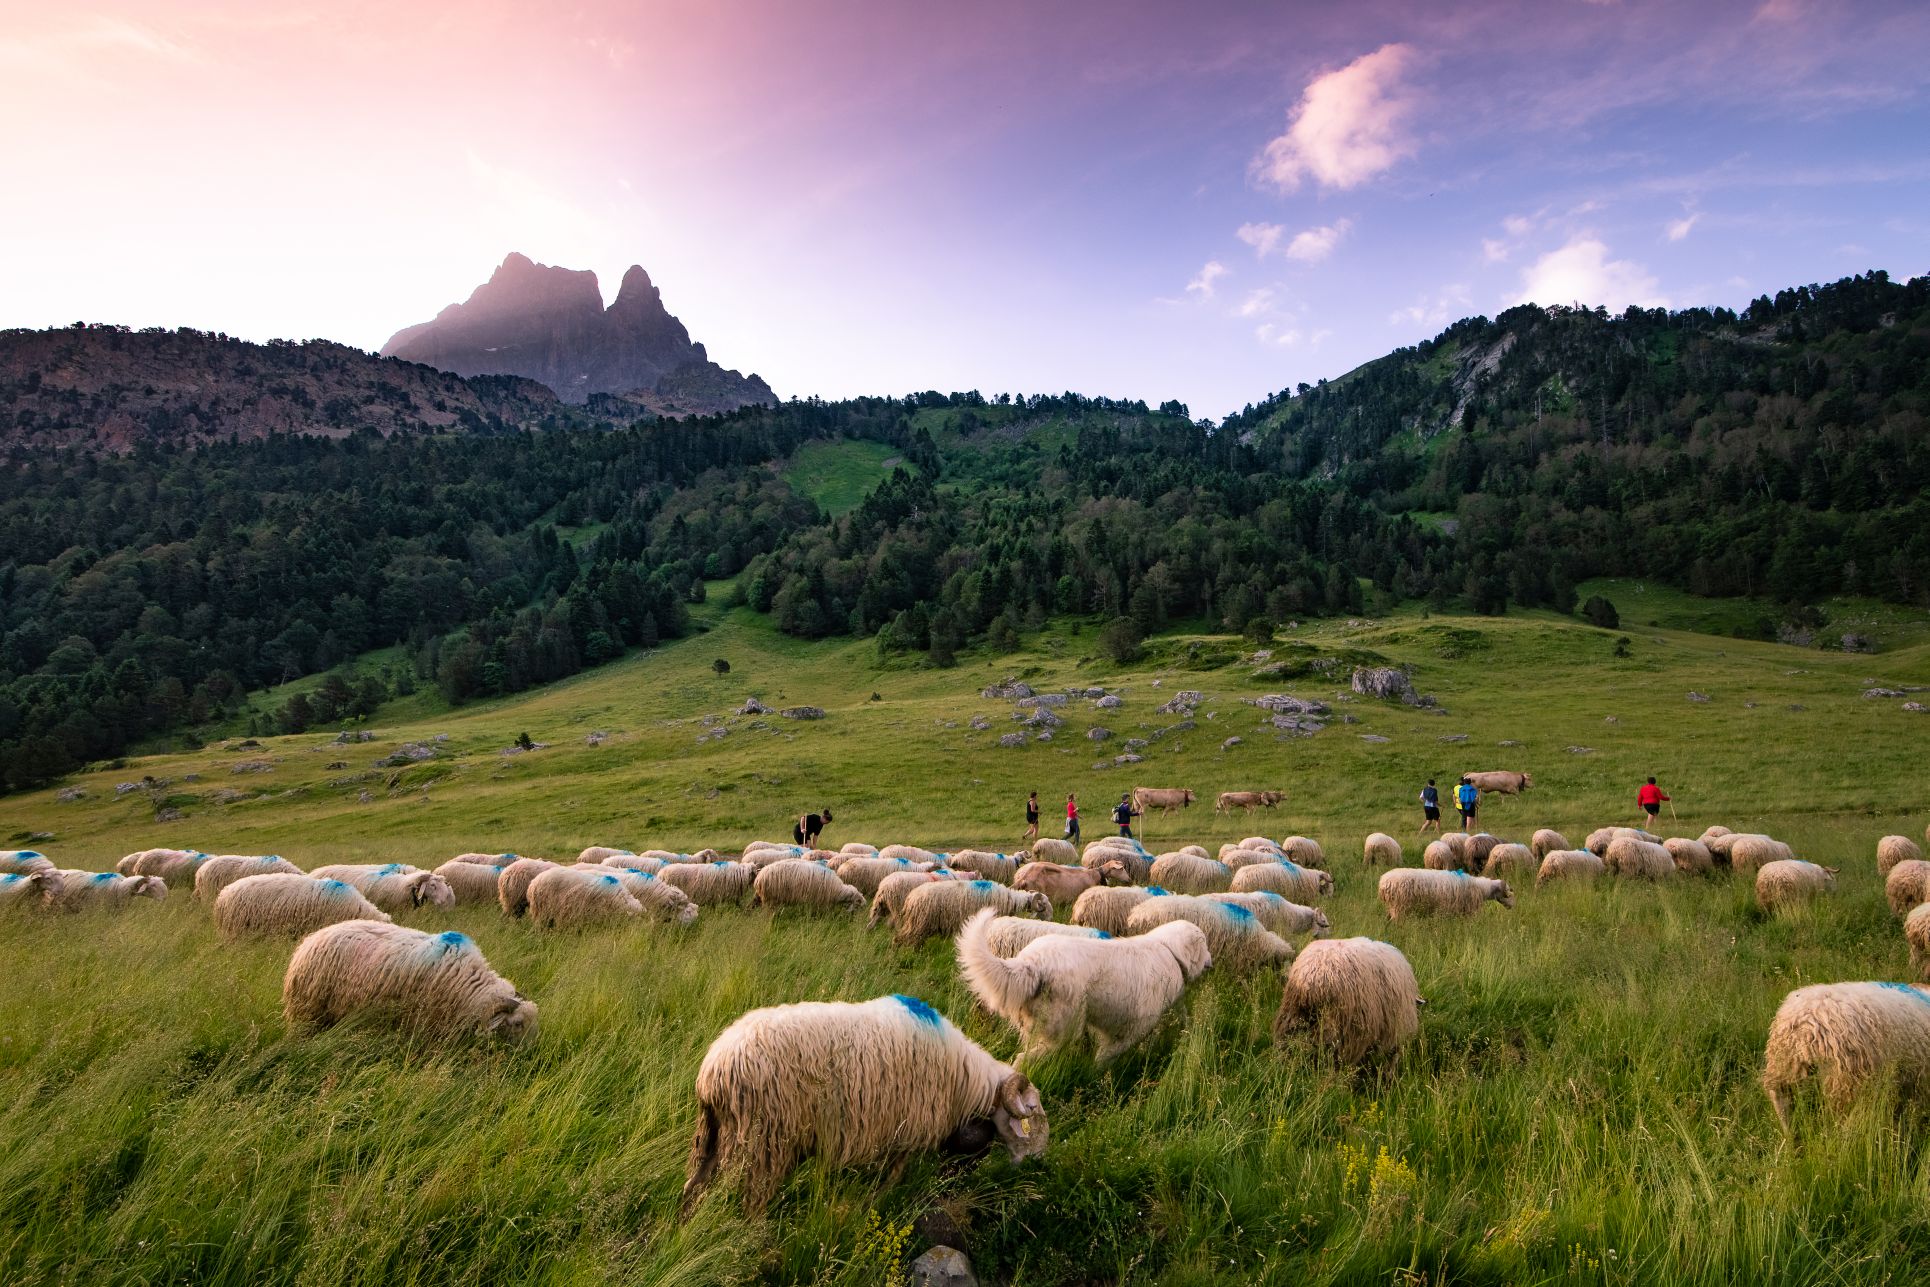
x: 1207, y: 201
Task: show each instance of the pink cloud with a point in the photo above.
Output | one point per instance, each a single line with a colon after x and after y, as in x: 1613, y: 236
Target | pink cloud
x: 1315, y: 244
x: 1349, y: 125
x: 1263, y: 237
x: 1582, y: 273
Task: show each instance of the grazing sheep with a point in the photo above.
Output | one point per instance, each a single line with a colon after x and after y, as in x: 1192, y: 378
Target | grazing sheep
x: 1850, y: 1033
x: 512, y: 885
x: 1106, y: 907
x: 1009, y: 935
x: 1409, y: 891
x: 1907, y: 885
x: 1357, y: 995
x: 1712, y: 833
x: 1790, y: 881
x: 1260, y: 843
x: 910, y: 852
x: 1289, y: 880
x: 223, y: 870
x: 710, y: 884
x: 1198, y: 851
x: 665, y: 857
x: 942, y: 907
x: 1546, y: 841
x: 1892, y: 850
x: 428, y: 982
x: 1747, y: 853
x: 1381, y: 848
x: 503, y: 860
x: 570, y: 898
x: 637, y: 862
x: 25, y: 862
x: 1476, y: 850
x: 658, y: 897
x: 852, y: 1084
x: 1692, y: 857
x: 289, y: 905
x: 1442, y: 856
x: 1505, y: 860
x: 1304, y: 851
x: 152, y: 862
x: 471, y: 882
x: 1569, y: 864
x: 999, y: 867
x: 864, y: 874
x: 1059, y: 988
x: 1185, y: 874
x: 1139, y: 865
x: 1276, y: 913
x: 594, y: 853
x: 800, y: 883
x: 83, y: 889
x: 1916, y: 932
x: 1718, y: 845
x: 1052, y: 849
x: 1599, y: 840
x: 394, y: 887
x: 858, y: 849
x: 1238, y: 858
x: 1234, y: 934
x: 31, y: 890
x: 1638, y: 858
x: 1063, y: 885
x: 1455, y: 840
x: 894, y: 890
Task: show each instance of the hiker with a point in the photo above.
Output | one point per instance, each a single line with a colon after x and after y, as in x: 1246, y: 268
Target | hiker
x: 1430, y: 806
x: 1072, y: 818
x: 1468, y: 801
x: 1123, y: 814
x: 808, y: 828
x: 1650, y: 797
x: 1032, y: 816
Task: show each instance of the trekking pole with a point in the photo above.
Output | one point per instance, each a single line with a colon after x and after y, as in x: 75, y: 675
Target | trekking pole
x: 1673, y: 815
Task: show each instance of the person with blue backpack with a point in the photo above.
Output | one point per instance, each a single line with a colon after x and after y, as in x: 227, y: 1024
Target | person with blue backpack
x: 1467, y: 800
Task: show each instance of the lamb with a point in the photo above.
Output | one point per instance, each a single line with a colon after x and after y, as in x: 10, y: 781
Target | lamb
x: 894, y: 890
x: 569, y: 898
x: 1058, y: 988
x: 852, y: 1083
x: 1276, y: 913
x: 1569, y: 864
x: 153, y: 862
x: 1546, y: 841
x: 911, y: 853
x: 1638, y: 858
x: 471, y: 882
x: 1506, y: 860
x: 1106, y: 908
x: 1892, y: 850
x: 1409, y: 891
x: 800, y: 883
x: 595, y: 853
x: 1441, y: 856
x: 1747, y: 853
x: 394, y: 887
x: 999, y: 867
x: 1185, y: 874
x: 512, y: 886
x: 638, y: 862
x: 1052, y: 849
x: 82, y: 889
x: 1791, y: 881
x: 1010, y: 935
x: 1234, y: 935
x: 1851, y: 1033
x: 25, y: 862
x: 658, y: 897
x: 436, y: 983
x: 35, y: 890
x: 1500, y: 782
x: 708, y: 884
x: 1916, y: 932
x: 1063, y: 885
x: 293, y: 906
x: 1475, y: 852
x: 1358, y: 997
x: 1381, y: 848
x: 1907, y: 885
x: 1289, y: 880
x: 1692, y: 857
x: 216, y: 874
x: 942, y: 907
x: 1304, y: 851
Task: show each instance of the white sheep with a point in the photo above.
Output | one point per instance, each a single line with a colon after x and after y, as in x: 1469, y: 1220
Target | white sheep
x: 1235, y: 936
x: 984, y: 864
x: 512, y: 885
x: 154, y: 862
x: 1380, y: 847
x: 1234, y: 859
x: 1060, y: 988
x: 798, y: 882
x: 1358, y: 996
x: 222, y: 870
x: 1907, y: 885
x: 1138, y: 865
x: 1510, y: 860
x: 1260, y: 842
x: 911, y: 853
x: 1545, y: 841
x: 1916, y: 932
x: 894, y: 890
x: 394, y: 887
x: 569, y: 898
x: 858, y: 849
x: 865, y: 874
x: 1747, y: 853
x: 1709, y: 835
x: 1053, y: 849
x: 25, y: 862
x: 1627, y: 856
x: 658, y: 897
x: 1790, y: 881
x: 594, y: 853
x: 1569, y: 864
x: 1892, y: 850
x: 1692, y: 857
x: 83, y: 889
x: 1106, y: 907
x: 1185, y: 874
x: 471, y: 882
x: 1442, y: 856
x: 1278, y: 914
x: 39, y: 891
x: 639, y: 862
x: 1305, y: 851
x: 1598, y: 840
x: 709, y: 884
x: 431, y: 982
x: 942, y: 908
x: 1010, y: 935
x: 1289, y: 880
x: 849, y: 1083
x: 503, y: 860
x: 1411, y: 891
x: 289, y: 905
x: 1851, y: 1033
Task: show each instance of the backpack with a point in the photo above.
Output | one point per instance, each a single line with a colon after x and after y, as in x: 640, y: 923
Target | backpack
x: 1122, y: 813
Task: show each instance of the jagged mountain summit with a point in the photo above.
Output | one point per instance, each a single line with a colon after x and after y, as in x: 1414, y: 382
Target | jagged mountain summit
x: 549, y: 324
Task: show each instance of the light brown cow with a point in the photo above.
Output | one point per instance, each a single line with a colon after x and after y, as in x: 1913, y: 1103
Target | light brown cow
x: 1165, y: 799
x: 1500, y: 782
x: 1247, y: 801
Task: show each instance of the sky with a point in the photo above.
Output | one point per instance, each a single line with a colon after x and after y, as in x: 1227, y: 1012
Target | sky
x: 1207, y: 201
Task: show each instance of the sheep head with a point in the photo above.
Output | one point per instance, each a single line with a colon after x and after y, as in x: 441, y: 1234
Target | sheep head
x: 1504, y: 895
x: 1019, y: 1117
x: 1321, y: 925
x: 150, y: 887
x: 432, y: 889
x: 1040, y: 907
x: 687, y: 914
x: 513, y: 1020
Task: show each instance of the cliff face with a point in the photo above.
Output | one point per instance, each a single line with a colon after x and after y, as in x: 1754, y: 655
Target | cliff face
x: 549, y: 324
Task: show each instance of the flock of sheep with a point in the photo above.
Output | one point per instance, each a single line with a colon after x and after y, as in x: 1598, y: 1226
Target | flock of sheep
x: 867, y: 1081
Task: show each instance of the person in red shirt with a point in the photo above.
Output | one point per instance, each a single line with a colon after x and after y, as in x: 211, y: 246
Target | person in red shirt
x: 1650, y: 797
x: 1072, y: 818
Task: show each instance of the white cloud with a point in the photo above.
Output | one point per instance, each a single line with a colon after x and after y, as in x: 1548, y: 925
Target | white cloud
x: 1202, y: 283
x: 1582, y: 273
x: 1450, y: 304
x: 1779, y: 11
x: 1258, y: 303
x: 1263, y: 237
x: 1518, y: 225
x: 1315, y: 244
x: 1494, y: 251
x: 1268, y: 333
x: 1349, y: 125
x: 1679, y: 228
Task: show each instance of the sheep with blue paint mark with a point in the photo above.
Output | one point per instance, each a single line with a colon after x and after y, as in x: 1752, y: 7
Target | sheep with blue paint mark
x: 175, y: 866
x: 801, y: 882
x: 1238, y: 940
x: 25, y: 862
x: 222, y: 870
x: 1100, y: 852
x: 573, y: 898
x: 894, y: 890
x: 659, y: 898
x: 637, y: 862
x: 435, y: 983
x: 38, y: 891
x: 394, y: 886
x: 594, y: 853
x: 1413, y: 891
x: 709, y: 884
x: 472, y: 882
x: 503, y: 859
x: 1852, y: 1034
x: 943, y: 907
x: 1235, y: 858
x: 983, y: 864
x: 1009, y: 935
x: 512, y: 883
x: 1106, y: 907
x: 851, y: 1083
x: 280, y: 904
x: 1186, y: 874
x: 1059, y: 988
x: 1278, y: 914
x: 83, y: 889
x: 866, y: 874
x: 1356, y: 997
x: 1289, y: 880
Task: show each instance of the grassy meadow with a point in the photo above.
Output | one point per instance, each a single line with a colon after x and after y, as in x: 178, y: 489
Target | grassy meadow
x: 1581, y: 1106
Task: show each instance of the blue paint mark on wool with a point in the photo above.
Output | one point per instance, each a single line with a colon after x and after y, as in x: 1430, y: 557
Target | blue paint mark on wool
x: 1236, y: 912
x: 392, y: 869
x: 1155, y: 891
x: 1100, y: 934
x: 9, y: 878
x: 334, y: 887
x: 1289, y: 864
x: 453, y: 939
x: 980, y: 885
x: 608, y: 880
x: 1907, y: 989
x: 103, y: 877
x: 918, y: 1009
x: 1461, y: 874
x: 31, y: 853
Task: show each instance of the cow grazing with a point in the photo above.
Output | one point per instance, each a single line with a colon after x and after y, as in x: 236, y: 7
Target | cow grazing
x: 1247, y: 801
